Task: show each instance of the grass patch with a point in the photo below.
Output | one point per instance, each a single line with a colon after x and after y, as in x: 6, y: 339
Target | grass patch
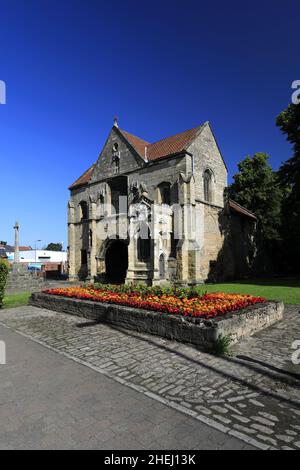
x: 285, y: 289
x: 16, y: 300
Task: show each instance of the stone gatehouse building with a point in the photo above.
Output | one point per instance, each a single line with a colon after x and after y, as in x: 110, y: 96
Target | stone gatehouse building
x: 157, y: 212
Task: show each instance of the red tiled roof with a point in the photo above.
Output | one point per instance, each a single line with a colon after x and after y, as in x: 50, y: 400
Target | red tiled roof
x: 162, y: 148
x: 241, y: 210
x: 137, y: 143
x: 174, y: 144
x: 83, y: 178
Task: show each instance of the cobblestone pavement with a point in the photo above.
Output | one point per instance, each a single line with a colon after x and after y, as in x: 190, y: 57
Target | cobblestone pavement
x: 253, y: 395
x: 48, y: 401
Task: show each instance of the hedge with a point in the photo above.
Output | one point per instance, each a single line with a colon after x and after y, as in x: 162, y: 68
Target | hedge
x: 4, y: 269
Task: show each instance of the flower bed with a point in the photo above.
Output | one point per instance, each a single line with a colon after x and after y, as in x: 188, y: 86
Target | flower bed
x: 172, y: 301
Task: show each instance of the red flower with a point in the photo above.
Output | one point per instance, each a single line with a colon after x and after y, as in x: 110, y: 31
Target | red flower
x: 207, y: 305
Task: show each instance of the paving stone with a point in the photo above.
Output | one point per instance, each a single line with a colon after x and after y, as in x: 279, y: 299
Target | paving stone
x: 242, y: 419
x: 268, y: 416
x: 264, y: 421
x: 222, y: 419
x: 254, y: 387
x: 286, y: 439
x: 267, y: 439
x: 83, y: 409
x: 262, y: 429
x: 220, y: 409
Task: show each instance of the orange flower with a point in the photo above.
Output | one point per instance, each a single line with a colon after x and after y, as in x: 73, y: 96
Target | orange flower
x: 206, y: 306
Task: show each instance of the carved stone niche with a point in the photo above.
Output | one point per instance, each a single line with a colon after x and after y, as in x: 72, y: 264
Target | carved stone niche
x: 116, y: 158
x: 185, y: 178
x: 143, y: 190
x: 93, y: 198
x: 100, y: 199
x: 140, y: 212
x: 187, y: 188
x: 134, y: 187
x: 163, y: 228
x: 139, y: 189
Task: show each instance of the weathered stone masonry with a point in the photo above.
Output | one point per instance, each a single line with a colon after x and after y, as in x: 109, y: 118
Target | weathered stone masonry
x: 173, y: 191
x: 201, y: 332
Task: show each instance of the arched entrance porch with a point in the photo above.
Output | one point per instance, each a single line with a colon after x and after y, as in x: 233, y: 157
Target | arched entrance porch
x: 116, y: 262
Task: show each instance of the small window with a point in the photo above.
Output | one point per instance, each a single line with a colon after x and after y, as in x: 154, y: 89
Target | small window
x: 207, y: 183
x: 83, y: 210
x: 100, y: 205
x: 164, y: 193
x: 174, y: 239
x: 117, y: 165
x: 116, y: 158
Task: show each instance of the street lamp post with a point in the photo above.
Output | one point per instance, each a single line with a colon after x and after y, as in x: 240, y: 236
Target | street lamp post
x: 36, y: 241
x: 62, y: 258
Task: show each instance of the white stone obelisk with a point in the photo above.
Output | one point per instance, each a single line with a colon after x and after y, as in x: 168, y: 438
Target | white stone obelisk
x: 17, y: 244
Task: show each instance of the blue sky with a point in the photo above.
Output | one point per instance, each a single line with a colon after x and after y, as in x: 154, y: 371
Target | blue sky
x: 161, y: 66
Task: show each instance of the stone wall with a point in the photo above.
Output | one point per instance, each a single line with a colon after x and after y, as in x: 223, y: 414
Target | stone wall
x: 202, y: 333
x: 238, y: 254
x: 129, y: 159
x: 213, y: 239
x: 234, y: 245
x: 22, y: 280
x: 103, y: 228
x: 207, y: 251
x: 208, y: 156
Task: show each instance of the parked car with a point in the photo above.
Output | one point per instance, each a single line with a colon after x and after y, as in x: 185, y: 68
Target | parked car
x: 34, y: 267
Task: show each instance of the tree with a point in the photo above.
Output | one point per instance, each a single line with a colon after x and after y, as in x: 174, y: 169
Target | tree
x: 257, y: 187
x: 54, y: 247
x: 289, y: 174
x: 4, y: 270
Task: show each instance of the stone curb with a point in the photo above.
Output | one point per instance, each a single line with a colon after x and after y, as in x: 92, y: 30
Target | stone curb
x: 202, y: 333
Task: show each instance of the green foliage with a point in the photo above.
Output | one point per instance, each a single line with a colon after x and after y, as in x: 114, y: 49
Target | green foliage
x: 54, y: 247
x: 222, y: 346
x: 257, y: 187
x: 142, y: 289
x: 4, y: 269
x: 289, y: 174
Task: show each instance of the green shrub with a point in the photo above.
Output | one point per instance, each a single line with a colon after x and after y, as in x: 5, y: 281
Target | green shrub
x: 142, y: 289
x: 4, y: 268
x: 222, y: 346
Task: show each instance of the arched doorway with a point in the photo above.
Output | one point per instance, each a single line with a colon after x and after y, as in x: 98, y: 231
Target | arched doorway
x: 116, y: 262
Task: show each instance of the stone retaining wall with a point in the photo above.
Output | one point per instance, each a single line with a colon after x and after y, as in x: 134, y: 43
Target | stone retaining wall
x: 22, y: 280
x: 202, y: 333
